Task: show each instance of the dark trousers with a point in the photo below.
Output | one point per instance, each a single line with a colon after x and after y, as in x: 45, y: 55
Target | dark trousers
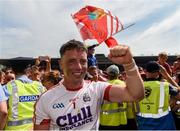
x: 131, y: 125
x: 177, y: 121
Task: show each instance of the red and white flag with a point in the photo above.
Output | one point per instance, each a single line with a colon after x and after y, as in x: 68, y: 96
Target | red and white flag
x: 97, y: 25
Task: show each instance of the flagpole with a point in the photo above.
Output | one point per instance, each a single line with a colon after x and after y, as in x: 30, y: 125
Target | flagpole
x: 126, y: 27
x: 129, y: 26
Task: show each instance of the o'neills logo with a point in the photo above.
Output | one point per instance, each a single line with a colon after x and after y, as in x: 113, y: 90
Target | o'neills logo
x: 147, y: 92
x: 69, y: 121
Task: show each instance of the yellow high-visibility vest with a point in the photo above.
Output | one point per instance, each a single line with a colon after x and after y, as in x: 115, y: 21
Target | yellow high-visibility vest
x: 131, y: 110
x: 21, y: 104
x: 113, y: 113
x: 156, y: 101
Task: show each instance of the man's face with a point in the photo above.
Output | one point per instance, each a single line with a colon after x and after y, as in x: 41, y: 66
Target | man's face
x: 91, y: 51
x: 93, y: 72
x: 162, y: 59
x: 74, y: 65
x: 10, y: 75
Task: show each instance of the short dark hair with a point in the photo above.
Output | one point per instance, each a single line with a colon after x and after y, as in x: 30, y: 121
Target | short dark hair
x: 19, y: 66
x: 72, y: 44
x: 152, y: 67
x: 92, y: 47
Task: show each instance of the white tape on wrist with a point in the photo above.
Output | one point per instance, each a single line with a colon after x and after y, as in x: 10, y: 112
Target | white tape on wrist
x: 133, y: 62
x: 132, y: 66
x: 133, y: 69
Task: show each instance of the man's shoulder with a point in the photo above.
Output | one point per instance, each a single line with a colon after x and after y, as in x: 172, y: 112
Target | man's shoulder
x: 24, y: 79
x: 3, y: 96
x: 96, y: 84
x: 166, y: 65
x: 51, y: 92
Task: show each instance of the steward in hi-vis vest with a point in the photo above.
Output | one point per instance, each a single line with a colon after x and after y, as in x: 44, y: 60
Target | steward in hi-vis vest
x: 23, y: 93
x: 156, y: 102
x: 154, y: 110
x: 21, y: 104
x: 113, y: 114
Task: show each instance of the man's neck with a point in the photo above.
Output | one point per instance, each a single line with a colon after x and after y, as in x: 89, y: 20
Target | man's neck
x: 70, y: 85
x: 90, y: 54
x: 19, y: 75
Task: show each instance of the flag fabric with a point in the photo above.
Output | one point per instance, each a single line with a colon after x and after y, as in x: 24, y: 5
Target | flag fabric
x: 97, y: 25
x: 111, y: 42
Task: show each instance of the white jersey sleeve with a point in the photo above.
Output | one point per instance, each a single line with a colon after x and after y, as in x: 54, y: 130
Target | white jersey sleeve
x: 41, y: 112
x: 100, y: 88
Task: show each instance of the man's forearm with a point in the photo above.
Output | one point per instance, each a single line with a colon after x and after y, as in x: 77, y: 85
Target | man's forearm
x: 3, y: 118
x: 134, y: 81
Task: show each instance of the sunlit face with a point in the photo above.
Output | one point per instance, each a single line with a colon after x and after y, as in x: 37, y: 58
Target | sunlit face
x: 9, y: 75
x: 36, y: 76
x: 93, y: 72
x: 162, y: 59
x: 74, y: 65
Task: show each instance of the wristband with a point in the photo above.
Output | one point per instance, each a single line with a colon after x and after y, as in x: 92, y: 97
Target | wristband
x: 133, y: 69
x: 131, y: 66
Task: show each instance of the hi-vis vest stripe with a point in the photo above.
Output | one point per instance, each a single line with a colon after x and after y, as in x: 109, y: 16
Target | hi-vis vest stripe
x: 162, y: 97
x: 15, y: 100
x: 20, y: 122
x: 156, y: 102
x: 121, y: 108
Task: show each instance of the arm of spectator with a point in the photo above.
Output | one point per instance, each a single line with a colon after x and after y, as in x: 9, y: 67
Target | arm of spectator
x: 175, y: 98
x: 174, y: 67
x: 169, y: 70
x: 3, y: 107
x: 134, y: 89
x: 37, y: 61
x: 101, y: 78
x: 3, y: 114
x: 167, y: 76
x: 175, y: 103
x: 175, y: 107
x: 48, y: 61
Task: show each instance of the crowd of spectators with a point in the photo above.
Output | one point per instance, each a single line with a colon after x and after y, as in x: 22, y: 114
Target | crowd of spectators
x: 43, y: 73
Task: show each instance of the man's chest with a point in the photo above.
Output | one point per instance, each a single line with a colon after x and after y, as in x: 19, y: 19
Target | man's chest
x: 73, y: 109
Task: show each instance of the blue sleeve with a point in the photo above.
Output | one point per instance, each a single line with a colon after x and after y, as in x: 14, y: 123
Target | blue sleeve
x: 3, y: 96
x: 172, y: 90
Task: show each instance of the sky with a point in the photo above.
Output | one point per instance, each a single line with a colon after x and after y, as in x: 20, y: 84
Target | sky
x: 30, y: 28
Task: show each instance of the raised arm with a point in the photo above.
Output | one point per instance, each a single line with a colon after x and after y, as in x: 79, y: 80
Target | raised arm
x: 134, y: 89
x: 167, y: 76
